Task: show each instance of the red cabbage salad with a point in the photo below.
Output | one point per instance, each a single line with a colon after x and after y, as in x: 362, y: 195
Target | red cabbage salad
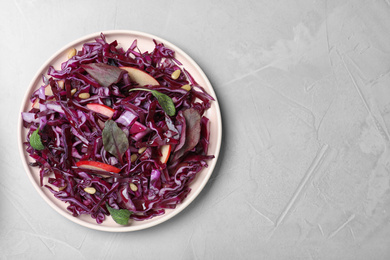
x: 117, y: 132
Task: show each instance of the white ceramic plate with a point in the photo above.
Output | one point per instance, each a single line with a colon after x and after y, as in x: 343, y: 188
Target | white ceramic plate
x: 145, y: 43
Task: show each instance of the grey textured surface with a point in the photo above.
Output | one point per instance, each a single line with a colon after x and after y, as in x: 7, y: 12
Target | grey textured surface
x: 304, y: 88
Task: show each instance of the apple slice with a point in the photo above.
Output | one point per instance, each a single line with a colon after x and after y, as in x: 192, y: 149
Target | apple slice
x: 101, y: 109
x: 165, y: 152
x: 93, y: 165
x: 48, y: 92
x: 140, y: 77
x: 36, y: 103
x: 61, y: 83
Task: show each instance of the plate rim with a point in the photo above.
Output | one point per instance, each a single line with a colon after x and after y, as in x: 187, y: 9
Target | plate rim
x: 158, y: 219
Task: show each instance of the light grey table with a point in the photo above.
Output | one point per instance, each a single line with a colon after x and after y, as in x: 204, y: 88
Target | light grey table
x: 304, y: 88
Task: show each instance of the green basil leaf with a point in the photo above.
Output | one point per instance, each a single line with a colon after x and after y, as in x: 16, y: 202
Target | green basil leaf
x: 115, y: 140
x: 35, y: 141
x: 164, y: 100
x: 120, y: 216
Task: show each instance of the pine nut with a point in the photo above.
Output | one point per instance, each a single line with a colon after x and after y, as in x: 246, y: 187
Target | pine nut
x: 133, y: 187
x: 84, y: 95
x: 71, y: 53
x: 186, y: 87
x: 175, y: 74
x: 90, y: 190
x: 133, y: 157
x: 73, y: 91
x: 141, y: 150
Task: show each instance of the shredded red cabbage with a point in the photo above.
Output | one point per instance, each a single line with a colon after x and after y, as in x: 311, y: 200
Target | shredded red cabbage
x: 72, y: 133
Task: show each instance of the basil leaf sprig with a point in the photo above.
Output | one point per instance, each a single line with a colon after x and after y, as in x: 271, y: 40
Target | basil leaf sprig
x: 35, y: 141
x: 120, y: 216
x: 164, y: 100
x: 114, y: 139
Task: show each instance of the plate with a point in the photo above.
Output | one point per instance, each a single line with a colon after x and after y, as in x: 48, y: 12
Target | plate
x: 145, y: 43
